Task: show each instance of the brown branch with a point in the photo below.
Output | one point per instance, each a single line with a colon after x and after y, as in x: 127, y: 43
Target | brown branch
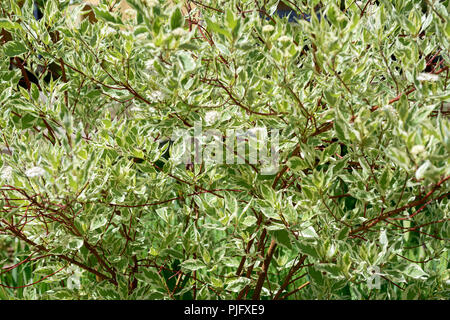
x: 296, y: 290
x: 388, y: 214
x: 289, y: 276
x: 263, y: 273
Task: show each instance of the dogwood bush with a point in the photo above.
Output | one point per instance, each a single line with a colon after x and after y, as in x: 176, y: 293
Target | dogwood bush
x: 357, y: 208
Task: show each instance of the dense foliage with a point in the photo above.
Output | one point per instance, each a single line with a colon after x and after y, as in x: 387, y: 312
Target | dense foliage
x: 357, y: 209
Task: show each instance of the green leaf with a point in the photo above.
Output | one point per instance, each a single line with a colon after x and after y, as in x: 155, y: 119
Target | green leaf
x: 282, y: 238
x: 98, y: 222
x: 270, y: 213
x: 249, y: 221
x: 385, y: 179
x: 269, y: 194
x: 316, y: 276
x: 75, y: 243
x: 193, y: 264
x: 339, y: 165
x: 415, y: 271
x: 297, y: 164
x: 14, y: 48
x: 176, y: 19
x: 332, y: 270
x: 214, y: 27
x: 151, y: 276
x: 231, y: 21
x: 8, y: 25
x: 308, y: 233
x: 420, y: 172
x: 223, y: 49
x: 28, y: 120
x: 340, y: 128
x: 307, y: 248
x: 186, y: 61
x: 44, y: 271
x: 34, y: 92
x: 343, y: 233
x: 238, y: 284
x: 411, y: 293
x: 106, y: 15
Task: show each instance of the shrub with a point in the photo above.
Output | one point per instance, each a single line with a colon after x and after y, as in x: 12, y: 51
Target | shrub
x: 356, y: 209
